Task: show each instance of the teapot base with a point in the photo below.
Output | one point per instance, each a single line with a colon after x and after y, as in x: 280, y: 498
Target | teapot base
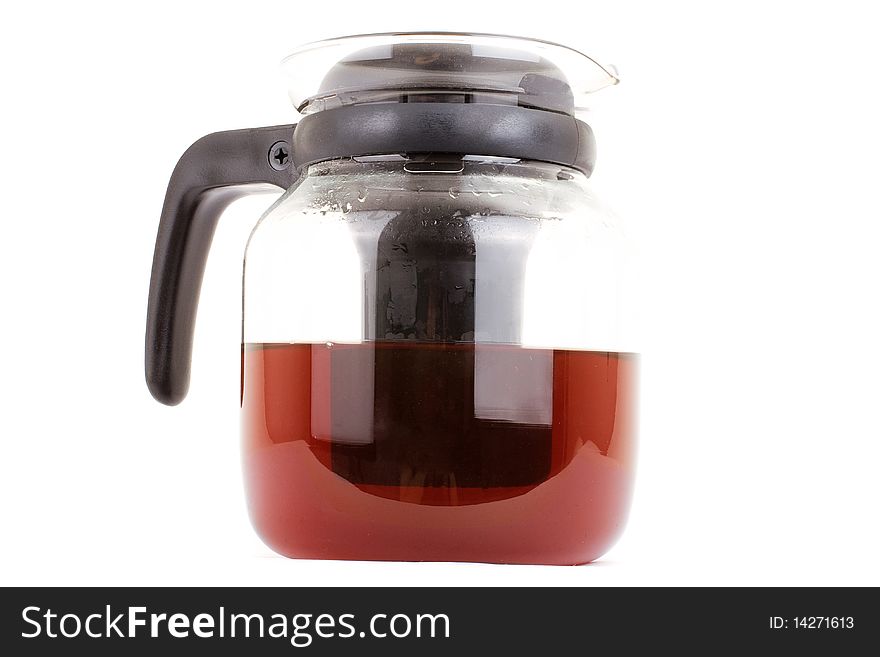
x: 415, y: 493
x: 301, y: 510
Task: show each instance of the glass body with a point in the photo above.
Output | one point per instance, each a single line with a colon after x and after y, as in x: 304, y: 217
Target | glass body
x: 435, y: 364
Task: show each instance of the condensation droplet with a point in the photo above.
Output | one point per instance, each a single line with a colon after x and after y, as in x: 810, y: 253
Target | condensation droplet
x: 453, y: 193
x: 362, y: 195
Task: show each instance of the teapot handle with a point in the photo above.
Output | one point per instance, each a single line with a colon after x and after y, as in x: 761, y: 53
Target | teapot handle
x: 216, y: 170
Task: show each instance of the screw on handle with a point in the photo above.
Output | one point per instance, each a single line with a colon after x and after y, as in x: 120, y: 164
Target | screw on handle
x: 213, y: 172
x: 279, y: 155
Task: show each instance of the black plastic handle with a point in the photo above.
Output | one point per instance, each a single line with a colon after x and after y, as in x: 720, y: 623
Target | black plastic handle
x: 213, y: 172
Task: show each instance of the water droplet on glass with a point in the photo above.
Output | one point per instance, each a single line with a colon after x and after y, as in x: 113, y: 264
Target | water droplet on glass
x: 329, y: 345
x: 453, y: 193
x: 494, y: 194
x: 362, y: 195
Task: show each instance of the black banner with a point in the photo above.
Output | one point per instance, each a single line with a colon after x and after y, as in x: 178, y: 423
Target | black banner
x: 406, y: 621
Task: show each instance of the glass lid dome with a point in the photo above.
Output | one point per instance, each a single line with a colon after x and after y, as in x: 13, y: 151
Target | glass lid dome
x: 443, y: 67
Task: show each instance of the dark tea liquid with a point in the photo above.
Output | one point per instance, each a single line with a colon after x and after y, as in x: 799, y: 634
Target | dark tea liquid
x: 409, y: 450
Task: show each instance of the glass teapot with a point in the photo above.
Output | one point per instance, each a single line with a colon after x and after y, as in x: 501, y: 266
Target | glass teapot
x: 433, y: 355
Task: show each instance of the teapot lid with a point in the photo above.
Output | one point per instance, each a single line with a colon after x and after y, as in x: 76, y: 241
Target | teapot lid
x: 443, y: 67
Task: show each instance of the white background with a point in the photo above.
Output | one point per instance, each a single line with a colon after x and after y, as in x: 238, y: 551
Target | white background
x: 742, y: 146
